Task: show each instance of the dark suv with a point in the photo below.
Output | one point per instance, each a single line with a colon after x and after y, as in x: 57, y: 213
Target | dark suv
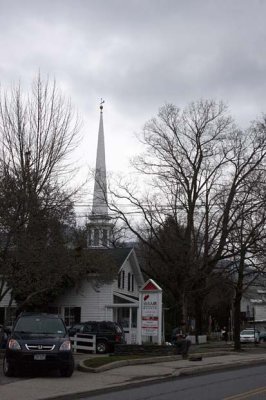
x: 107, y: 333
x: 38, y: 340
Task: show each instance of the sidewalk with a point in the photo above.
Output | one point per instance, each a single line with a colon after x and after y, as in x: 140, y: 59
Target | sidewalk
x: 85, y: 382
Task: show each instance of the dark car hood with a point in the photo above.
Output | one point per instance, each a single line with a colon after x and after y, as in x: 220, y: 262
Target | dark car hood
x: 45, y: 338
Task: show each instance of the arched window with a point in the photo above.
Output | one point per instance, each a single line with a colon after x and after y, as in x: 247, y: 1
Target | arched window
x: 89, y: 238
x: 96, y: 237
x: 104, y: 237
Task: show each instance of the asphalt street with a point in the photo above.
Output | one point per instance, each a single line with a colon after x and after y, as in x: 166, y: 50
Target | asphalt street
x: 237, y: 384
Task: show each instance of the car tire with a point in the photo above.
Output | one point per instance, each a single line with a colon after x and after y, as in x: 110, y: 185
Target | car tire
x: 101, y: 347
x: 67, y: 371
x: 8, y: 369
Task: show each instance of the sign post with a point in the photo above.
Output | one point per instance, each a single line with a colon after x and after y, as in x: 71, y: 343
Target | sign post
x: 150, y: 325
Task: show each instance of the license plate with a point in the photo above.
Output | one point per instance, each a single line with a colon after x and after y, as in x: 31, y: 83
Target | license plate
x: 39, y: 357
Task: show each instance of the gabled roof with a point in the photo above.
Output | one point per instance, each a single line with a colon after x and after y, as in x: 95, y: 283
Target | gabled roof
x: 151, y: 286
x: 115, y: 255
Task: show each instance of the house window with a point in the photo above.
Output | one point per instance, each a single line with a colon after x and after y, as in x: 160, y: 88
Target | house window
x: 123, y: 317
x: 2, y: 315
x: 72, y: 315
x: 54, y: 310
x: 134, y: 317
x: 132, y: 283
x: 123, y: 279
x: 119, y: 280
x: 128, y: 281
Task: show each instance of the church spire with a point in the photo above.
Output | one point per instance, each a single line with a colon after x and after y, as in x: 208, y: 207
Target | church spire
x: 99, y: 226
x: 99, y: 206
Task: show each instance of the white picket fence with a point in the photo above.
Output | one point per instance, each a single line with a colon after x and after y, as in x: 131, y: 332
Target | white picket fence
x: 83, y: 341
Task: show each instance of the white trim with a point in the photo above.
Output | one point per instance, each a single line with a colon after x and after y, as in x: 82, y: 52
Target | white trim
x: 122, y: 305
x: 125, y: 297
x: 125, y: 260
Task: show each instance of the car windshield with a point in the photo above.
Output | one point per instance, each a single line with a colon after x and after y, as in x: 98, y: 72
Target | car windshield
x: 248, y: 332
x: 40, y: 325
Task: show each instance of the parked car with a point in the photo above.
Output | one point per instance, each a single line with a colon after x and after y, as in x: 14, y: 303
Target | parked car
x: 38, y: 340
x: 249, y: 336
x: 262, y: 336
x: 107, y: 333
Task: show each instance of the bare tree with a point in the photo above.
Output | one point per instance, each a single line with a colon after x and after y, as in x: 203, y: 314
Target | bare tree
x: 38, y: 133
x: 196, y: 166
x: 246, y: 243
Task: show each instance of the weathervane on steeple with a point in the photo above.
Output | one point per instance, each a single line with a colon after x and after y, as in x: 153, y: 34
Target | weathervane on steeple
x: 101, y: 105
x: 100, y: 226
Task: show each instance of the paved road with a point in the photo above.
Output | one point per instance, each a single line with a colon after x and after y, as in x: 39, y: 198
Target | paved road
x: 245, y: 383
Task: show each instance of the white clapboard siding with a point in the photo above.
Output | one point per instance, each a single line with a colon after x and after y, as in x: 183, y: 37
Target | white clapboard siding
x: 91, y: 298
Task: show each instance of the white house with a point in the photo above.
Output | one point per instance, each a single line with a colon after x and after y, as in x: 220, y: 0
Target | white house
x: 114, y: 300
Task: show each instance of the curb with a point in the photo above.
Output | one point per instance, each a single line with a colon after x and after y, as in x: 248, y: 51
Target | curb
x: 151, y: 360
x: 116, y: 364
x: 233, y: 365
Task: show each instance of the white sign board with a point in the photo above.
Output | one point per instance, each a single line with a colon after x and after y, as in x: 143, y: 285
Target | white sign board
x: 150, y: 321
x: 150, y: 314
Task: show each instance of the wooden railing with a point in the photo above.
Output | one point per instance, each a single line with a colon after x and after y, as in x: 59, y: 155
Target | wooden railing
x: 83, y: 341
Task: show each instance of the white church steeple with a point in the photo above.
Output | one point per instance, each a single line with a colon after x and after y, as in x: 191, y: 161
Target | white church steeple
x: 99, y: 226
x: 99, y: 206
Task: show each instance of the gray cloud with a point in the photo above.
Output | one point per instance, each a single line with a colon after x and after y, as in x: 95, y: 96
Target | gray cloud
x: 137, y: 55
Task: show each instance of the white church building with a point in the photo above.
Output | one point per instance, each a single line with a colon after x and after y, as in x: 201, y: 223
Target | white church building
x: 115, y: 300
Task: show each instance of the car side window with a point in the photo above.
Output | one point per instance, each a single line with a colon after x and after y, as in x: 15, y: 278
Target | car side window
x: 106, y: 327
x: 90, y: 328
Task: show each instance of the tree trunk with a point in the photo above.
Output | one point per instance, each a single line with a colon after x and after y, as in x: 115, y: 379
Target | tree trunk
x: 237, y: 321
x: 198, y: 317
x: 184, y: 317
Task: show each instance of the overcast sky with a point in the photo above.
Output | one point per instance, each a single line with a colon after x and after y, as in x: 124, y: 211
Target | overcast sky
x: 137, y: 55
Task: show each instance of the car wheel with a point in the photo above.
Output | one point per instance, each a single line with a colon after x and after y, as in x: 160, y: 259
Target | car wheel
x: 67, y: 371
x: 101, y: 347
x: 7, y: 368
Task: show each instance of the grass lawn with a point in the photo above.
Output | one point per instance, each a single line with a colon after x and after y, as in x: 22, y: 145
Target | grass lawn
x: 99, y: 361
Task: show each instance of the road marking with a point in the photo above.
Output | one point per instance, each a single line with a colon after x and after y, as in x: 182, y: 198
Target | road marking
x: 248, y: 394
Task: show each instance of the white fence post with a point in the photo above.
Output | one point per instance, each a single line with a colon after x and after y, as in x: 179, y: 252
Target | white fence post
x: 88, y: 340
